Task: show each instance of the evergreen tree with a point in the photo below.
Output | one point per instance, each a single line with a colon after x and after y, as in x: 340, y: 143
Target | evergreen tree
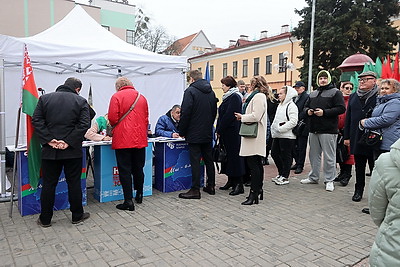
x: 343, y: 28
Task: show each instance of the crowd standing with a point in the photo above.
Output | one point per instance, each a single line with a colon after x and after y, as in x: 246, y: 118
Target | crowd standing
x: 329, y: 114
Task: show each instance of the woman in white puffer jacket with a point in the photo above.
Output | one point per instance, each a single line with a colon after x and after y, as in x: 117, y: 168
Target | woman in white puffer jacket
x: 283, y: 138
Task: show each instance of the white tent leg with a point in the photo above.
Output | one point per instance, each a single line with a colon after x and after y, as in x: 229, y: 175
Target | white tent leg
x: 2, y: 132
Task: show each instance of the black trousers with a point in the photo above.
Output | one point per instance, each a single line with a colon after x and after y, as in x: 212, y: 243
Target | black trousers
x: 51, y: 170
x: 299, y: 151
x: 360, y: 165
x: 130, y: 162
x: 281, y: 152
x: 256, y: 172
x: 196, y: 151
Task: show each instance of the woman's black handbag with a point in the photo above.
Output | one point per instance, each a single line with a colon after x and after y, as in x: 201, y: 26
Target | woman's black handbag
x: 371, y: 138
x: 219, y: 152
x: 342, y: 151
x: 299, y: 128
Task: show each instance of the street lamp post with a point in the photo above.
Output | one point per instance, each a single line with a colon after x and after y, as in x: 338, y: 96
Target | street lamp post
x: 286, y: 65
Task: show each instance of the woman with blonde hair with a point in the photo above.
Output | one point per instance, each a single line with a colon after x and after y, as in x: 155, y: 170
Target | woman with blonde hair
x: 254, y: 148
x: 385, y: 117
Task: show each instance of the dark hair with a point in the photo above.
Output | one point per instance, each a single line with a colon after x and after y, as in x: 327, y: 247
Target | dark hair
x: 346, y: 83
x: 73, y: 83
x: 175, y: 107
x: 229, y: 81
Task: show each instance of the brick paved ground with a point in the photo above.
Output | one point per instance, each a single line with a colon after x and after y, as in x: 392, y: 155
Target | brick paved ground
x: 295, y: 225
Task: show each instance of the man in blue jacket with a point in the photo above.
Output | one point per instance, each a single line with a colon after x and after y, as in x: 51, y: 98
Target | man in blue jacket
x: 167, y: 125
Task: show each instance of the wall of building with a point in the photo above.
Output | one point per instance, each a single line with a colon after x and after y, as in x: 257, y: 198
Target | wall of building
x: 261, y: 50
x: 198, y: 46
x: 22, y: 18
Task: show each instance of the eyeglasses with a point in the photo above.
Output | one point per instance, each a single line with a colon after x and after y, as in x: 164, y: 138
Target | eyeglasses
x: 365, y: 79
x: 348, y: 88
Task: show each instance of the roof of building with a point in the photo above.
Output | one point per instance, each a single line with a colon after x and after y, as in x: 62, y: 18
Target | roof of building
x: 245, y: 43
x: 180, y: 45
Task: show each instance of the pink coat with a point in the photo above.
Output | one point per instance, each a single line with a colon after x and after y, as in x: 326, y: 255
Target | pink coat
x: 131, y: 132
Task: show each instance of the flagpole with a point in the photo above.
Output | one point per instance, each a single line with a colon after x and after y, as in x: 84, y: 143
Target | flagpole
x: 15, y: 162
x: 310, y: 54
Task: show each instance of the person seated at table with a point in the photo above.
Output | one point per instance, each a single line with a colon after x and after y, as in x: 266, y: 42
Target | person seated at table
x: 98, y: 130
x: 167, y: 125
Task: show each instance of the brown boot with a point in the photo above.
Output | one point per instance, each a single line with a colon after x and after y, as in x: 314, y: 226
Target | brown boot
x: 191, y: 194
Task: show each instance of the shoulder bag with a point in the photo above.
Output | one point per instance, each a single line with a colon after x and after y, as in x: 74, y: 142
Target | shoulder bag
x: 248, y: 129
x: 299, y: 128
x: 110, y: 129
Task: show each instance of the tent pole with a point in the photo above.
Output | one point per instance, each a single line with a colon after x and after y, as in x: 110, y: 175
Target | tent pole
x: 2, y: 131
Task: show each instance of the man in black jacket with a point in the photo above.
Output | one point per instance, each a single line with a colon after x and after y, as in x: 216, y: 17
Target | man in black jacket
x: 360, y: 106
x: 61, y: 119
x: 198, y: 112
x: 299, y: 151
x: 323, y: 108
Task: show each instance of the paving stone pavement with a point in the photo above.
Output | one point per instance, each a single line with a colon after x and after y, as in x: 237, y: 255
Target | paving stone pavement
x: 295, y: 225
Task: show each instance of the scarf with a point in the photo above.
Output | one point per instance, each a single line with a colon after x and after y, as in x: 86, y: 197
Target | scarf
x: 248, y: 99
x: 365, y: 95
x: 231, y: 91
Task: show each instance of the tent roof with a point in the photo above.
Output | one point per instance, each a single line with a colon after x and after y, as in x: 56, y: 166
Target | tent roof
x: 79, y: 43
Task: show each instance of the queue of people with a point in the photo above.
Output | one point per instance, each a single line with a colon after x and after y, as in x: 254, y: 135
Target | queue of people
x: 327, y: 111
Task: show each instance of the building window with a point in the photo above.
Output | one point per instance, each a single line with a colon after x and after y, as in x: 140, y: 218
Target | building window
x: 212, y: 73
x: 106, y: 27
x: 129, y: 36
x: 281, y: 63
x: 245, y: 67
x: 268, y: 66
x: 224, y: 69
x: 235, y: 69
x: 256, y: 66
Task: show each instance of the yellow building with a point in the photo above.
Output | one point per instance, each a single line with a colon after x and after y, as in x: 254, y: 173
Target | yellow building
x: 244, y: 59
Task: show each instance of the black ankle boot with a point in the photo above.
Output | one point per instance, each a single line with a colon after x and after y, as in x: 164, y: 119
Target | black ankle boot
x: 251, y: 199
x: 127, y: 205
x: 139, y: 197
x: 345, y: 179
x: 228, y: 185
x: 239, y: 189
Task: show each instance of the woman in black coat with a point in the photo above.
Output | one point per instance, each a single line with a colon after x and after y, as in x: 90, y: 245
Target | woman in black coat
x: 228, y: 131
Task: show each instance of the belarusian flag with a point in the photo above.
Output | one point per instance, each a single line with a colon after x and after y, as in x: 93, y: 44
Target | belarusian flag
x: 30, y: 99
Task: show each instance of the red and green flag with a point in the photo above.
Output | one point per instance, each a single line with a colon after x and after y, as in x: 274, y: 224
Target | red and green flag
x: 30, y: 99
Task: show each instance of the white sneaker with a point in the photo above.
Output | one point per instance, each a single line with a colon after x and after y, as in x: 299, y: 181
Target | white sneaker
x: 282, y: 181
x: 329, y: 186
x: 275, y: 178
x: 308, y: 181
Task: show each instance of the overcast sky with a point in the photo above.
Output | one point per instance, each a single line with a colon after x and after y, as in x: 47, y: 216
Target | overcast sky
x: 220, y: 20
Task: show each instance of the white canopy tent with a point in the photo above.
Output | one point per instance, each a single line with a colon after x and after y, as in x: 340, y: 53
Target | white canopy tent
x: 78, y: 46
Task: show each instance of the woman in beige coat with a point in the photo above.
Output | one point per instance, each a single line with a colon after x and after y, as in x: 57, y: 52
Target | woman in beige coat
x: 253, y: 149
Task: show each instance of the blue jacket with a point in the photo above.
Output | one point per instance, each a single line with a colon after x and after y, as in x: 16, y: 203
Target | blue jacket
x: 386, y: 118
x: 166, y: 126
